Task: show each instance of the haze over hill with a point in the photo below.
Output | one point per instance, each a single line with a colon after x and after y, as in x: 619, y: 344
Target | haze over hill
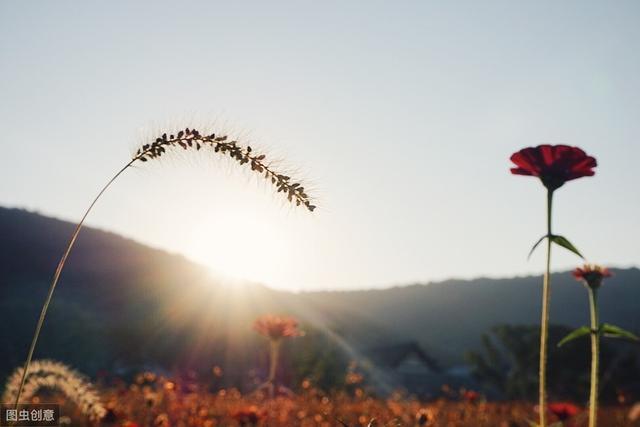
x: 120, y: 303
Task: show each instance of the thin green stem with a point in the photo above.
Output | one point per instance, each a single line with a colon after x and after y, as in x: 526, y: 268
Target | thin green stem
x: 544, y: 323
x: 56, y: 277
x: 595, y: 356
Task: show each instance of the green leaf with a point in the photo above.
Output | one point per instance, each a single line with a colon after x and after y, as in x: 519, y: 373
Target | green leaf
x: 562, y: 241
x: 536, y: 245
x: 613, y: 331
x: 580, y: 332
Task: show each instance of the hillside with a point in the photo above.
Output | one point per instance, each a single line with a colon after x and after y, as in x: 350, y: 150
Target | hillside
x: 448, y: 317
x: 120, y: 303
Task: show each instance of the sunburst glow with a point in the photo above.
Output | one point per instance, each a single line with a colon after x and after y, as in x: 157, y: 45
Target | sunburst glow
x: 241, y: 245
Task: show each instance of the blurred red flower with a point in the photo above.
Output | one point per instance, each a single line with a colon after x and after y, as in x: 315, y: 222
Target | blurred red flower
x: 564, y: 410
x: 553, y: 164
x: 276, y: 327
x: 591, y: 275
x: 249, y: 415
x: 470, y: 396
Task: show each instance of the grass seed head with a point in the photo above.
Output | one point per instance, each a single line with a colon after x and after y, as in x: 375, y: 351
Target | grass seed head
x: 192, y: 139
x: 56, y: 376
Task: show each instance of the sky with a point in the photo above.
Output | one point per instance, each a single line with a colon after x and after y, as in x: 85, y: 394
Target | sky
x: 400, y: 116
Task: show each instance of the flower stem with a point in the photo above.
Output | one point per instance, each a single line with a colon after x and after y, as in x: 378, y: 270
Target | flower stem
x: 56, y: 277
x: 595, y: 355
x: 273, y: 364
x: 544, y: 323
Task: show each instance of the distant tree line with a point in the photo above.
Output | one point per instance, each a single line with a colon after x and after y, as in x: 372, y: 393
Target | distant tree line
x: 507, y: 365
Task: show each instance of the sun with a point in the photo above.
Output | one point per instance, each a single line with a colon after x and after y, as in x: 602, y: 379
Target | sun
x: 242, y: 245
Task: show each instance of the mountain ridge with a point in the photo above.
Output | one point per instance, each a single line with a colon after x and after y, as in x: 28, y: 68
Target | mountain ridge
x: 115, y: 290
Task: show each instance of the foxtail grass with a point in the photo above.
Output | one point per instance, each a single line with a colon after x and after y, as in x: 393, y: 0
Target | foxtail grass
x: 55, y: 376
x: 185, y: 140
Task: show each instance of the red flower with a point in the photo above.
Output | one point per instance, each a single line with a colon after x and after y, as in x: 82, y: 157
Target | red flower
x: 591, y: 275
x: 249, y: 415
x: 470, y: 396
x: 564, y: 410
x: 553, y: 164
x: 276, y: 327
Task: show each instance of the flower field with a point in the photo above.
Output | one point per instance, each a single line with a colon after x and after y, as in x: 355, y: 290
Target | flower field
x: 152, y: 401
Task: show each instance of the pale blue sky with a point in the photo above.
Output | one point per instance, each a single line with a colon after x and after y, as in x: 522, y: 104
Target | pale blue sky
x: 402, y: 114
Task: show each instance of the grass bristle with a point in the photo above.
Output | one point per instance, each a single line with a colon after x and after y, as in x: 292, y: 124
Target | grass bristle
x: 189, y: 139
x: 56, y: 376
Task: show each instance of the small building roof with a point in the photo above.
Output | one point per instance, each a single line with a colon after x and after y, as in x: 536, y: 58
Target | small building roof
x: 392, y: 355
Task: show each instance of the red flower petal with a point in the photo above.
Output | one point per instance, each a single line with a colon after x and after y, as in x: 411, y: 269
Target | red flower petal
x: 553, y: 164
x: 521, y: 171
x: 564, y: 410
x: 276, y: 327
x: 591, y: 274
